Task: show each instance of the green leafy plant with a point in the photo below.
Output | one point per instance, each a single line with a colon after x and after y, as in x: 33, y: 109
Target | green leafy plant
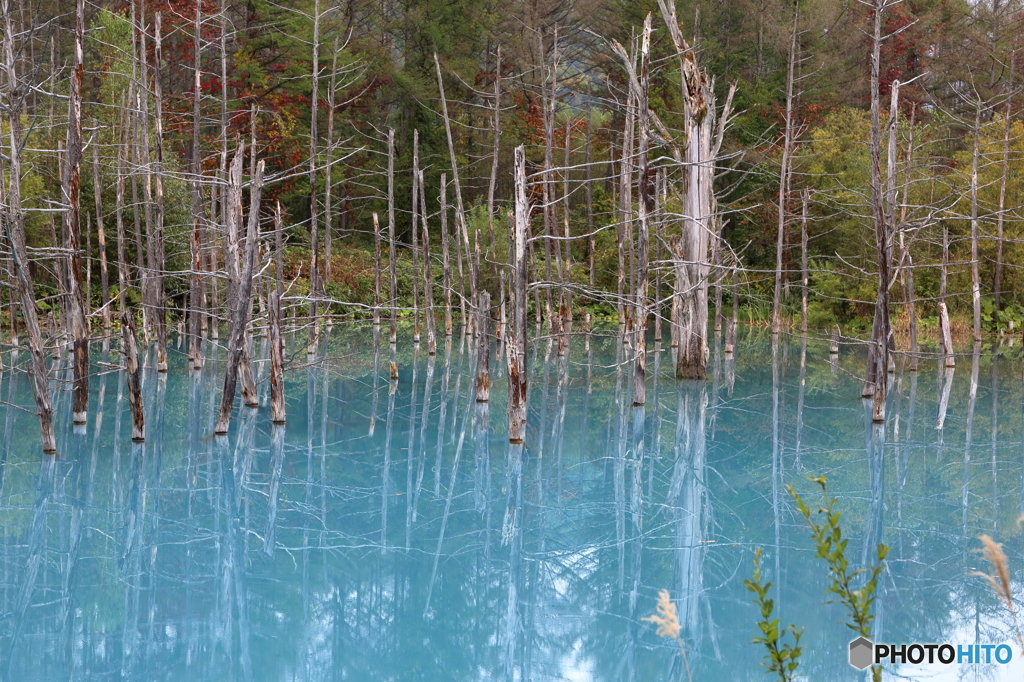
x: 782, y: 658
x: 831, y: 546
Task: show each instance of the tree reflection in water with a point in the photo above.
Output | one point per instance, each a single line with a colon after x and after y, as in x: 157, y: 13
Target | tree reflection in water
x: 296, y: 552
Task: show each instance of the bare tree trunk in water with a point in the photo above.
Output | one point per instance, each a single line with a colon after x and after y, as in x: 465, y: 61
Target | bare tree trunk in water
x: 784, y: 176
x: 315, y: 284
x: 376, y: 270
x: 1004, y: 175
x: 159, y: 299
x: 445, y: 241
x: 516, y: 347
x: 243, y: 296
x: 195, y: 328
x: 14, y: 226
x: 975, y: 275
x: 71, y: 180
x: 428, y: 280
x: 101, y: 235
x: 639, y: 86
x: 392, y: 265
x: 414, y: 236
x: 276, y: 360
x: 691, y: 249
x: 483, y: 348
x: 881, y: 333
x: 460, y: 213
x: 131, y: 358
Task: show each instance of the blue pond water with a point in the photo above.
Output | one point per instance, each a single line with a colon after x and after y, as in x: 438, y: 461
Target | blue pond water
x: 390, y: 532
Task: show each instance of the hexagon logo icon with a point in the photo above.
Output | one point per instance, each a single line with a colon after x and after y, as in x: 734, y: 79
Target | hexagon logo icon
x: 861, y: 653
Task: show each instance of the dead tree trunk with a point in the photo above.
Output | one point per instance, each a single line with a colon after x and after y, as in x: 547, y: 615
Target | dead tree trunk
x: 376, y: 270
x: 784, y: 175
x: 1004, y: 176
x: 639, y: 86
x: 71, y: 180
x: 14, y: 225
x: 101, y: 235
x: 975, y: 275
x: 483, y: 348
x: 690, y: 251
x: 516, y: 347
x: 428, y: 280
x: 243, y: 298
x: 445, y: 251
x: 460, y: 212
x: 414, y: 240
x: 132, y: 370
x: 315, y: 285
x: 158, y: 299
x: 392, y: 265
x: 195, y: 336
x: 878, y: 350
x: 277, y: 407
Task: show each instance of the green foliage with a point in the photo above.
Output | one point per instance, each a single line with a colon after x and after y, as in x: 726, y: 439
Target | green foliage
x: 999, y: 320
x: 783, y: 658
x: 831, y: 546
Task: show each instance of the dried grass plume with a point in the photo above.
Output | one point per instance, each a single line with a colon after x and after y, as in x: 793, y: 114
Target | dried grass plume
x: 666, y: 618
x: 999, y: 578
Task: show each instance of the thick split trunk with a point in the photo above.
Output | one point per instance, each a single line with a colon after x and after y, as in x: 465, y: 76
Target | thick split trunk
x: 242, y: 296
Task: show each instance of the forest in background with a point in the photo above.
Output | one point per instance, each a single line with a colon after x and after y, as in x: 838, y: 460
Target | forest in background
x: 817, y: 162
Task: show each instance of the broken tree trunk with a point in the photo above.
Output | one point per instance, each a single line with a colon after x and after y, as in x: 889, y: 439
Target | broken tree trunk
x: 690, y: 250
x: 243, y: 302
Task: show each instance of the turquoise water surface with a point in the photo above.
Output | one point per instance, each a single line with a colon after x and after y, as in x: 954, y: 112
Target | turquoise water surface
x: 390, y: 532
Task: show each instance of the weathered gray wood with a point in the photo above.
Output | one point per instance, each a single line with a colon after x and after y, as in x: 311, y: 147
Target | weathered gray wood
x: 483, y: 348
x: 277, y: 406
x: 428, y: 280
x: 460, y: 212
x: 516, y: 347
x: 690, y: 251
x: 158, y: 297
x: 243, y: 297
x: 784, y: 173
x: 315, y: 283
x: 78, y: 330
x: 376, y: 270
x: 101, y: 235
x: 415, y: 237
x: 132, y: 369
x: 644, y: 205
x: 195, y: 312
x: 445, y: 251
x: 392, y: 263
x: 14, y: 226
